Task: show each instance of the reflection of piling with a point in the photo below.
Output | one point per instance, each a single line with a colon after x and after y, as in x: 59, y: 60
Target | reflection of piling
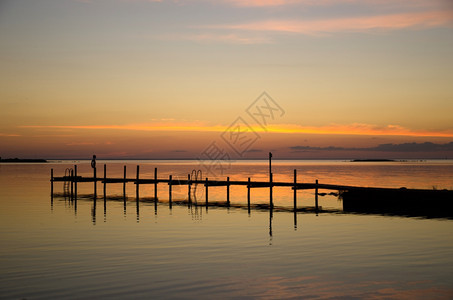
x: 93, y: 212
x: 105, y: 208
x: 271, y: 213
x: 189, y: 185
x: 94, y: 177
x: 138, y: 210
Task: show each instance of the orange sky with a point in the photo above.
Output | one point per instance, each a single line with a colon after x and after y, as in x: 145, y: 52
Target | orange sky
x: 160, y: 79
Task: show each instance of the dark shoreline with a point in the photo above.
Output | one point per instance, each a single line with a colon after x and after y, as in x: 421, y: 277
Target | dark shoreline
x: 373, y: 160
x: 22, y: 160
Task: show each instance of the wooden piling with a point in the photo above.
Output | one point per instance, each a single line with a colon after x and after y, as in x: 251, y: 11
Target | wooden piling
x: 206, y: 190
x: 295, y: 190
x: 136, y: 183
x: 105, y: 179
x: 51, y: 185
x: 248, y: 194
x: 95, y: 182
x: 316, y: 195
x: 169, y: 189
x: 228, y: 191
x: 73, y: 179
x: 124, y: 182
x: 75, y: 183
x: 155, y: 183
x: 72, y: 184
x: 271, y: 200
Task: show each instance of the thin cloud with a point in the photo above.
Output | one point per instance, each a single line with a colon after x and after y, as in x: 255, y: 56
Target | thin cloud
x: 405, y: 147
x: 358, y: 129
x: 273, y: 3
x: 228, y: 38
x: 263, y: 2
x: 157, y: 126
x: 355, y: 24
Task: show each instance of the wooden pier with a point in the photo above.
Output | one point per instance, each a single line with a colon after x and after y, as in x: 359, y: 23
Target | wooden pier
x: 354, y: 197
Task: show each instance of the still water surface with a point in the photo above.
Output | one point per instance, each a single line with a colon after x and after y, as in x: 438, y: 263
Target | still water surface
x: 117, y: 249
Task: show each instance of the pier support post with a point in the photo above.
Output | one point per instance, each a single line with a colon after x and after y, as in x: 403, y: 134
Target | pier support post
x: 95, y: 182
x: 248, y: 195
x: 316, y: 195
x: 124, y: 191
x: 189, y: 183
x: 295, y: 190
x: 75, y: 183
x: 206, y: 190
x: 124, y: 182
x: 51, y: 185
x: 228, y: 191
x: 155, y: 183
x: 136, y: 183
x: 271, y: 200
x: 169, y: 189
x: 72, y: 184
x: 105, y: 180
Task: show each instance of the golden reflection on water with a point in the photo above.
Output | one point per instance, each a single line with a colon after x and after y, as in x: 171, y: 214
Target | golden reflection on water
x: 111, y: 246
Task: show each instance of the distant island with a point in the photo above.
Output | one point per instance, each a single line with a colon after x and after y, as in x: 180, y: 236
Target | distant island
x: 24, y: 160
x: 372, y: 160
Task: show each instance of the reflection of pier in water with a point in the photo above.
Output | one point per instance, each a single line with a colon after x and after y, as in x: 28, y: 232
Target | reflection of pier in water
x: 391, y: 201
x: 195, y: 208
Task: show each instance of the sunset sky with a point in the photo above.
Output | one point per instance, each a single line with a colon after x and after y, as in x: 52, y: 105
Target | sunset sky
x: 185, y: 78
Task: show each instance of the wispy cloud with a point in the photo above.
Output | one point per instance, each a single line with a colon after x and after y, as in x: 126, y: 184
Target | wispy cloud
x: 157, y: 126
x: 263, y: 2
x: 231, y: 38
x: 359, y: 129
x: 273, y: 3
x: 354, y: 24
x: 405, y: 147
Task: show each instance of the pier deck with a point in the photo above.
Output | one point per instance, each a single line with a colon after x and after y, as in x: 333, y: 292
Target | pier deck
x: 354, y: 197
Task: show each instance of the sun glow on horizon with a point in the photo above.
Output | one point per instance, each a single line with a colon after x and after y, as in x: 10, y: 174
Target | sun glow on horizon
x: 336, y: 129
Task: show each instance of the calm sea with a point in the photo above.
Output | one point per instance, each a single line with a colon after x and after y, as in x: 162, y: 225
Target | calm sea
x: 54, y: 247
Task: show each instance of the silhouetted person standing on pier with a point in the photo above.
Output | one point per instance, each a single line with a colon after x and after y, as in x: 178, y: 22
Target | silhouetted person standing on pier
x: 93, y: 162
